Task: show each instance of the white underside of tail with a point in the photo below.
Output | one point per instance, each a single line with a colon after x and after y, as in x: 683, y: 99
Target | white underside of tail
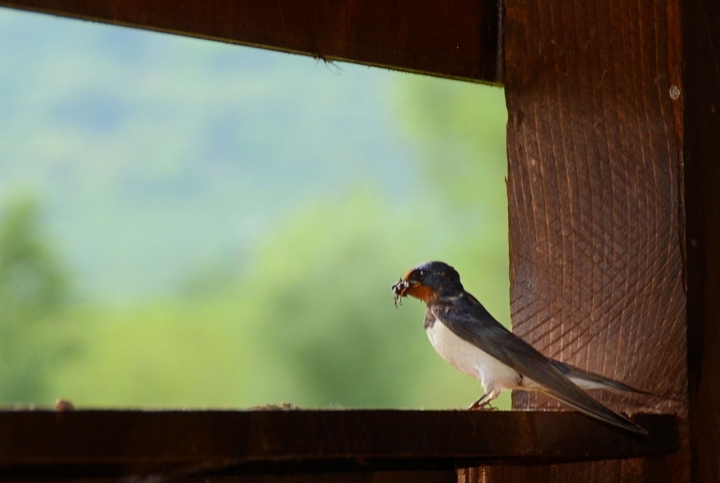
x: 530, y: 385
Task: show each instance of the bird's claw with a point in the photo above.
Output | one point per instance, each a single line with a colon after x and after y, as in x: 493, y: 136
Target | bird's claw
x: 485, y: 406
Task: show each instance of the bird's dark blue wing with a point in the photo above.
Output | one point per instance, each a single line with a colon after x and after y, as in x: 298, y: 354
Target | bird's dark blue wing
x: 468, y: 319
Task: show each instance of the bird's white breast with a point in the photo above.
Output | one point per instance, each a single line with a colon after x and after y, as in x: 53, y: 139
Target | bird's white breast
x: 474, y: 362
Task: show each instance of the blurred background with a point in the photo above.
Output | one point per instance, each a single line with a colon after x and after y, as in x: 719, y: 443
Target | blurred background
x: 192, y: 224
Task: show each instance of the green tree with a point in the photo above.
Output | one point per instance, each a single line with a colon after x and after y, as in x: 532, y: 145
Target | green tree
x: 33, y: 288
x: 311, y: 322
x: 322, y: 284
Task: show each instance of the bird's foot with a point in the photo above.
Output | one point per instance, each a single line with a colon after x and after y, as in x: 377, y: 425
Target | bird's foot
x: 484, y: 402
x: 482, y: 406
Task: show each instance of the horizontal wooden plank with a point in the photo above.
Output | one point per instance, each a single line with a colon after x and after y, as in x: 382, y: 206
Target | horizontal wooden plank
x: 97, y: 443
x: 457, y: 39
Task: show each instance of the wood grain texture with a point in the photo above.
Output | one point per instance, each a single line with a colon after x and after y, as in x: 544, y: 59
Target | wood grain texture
x: 594, y: 175
x: 596, y: 208
x: 634, y: 470
x: 701, y: 53
x: 457, y: 39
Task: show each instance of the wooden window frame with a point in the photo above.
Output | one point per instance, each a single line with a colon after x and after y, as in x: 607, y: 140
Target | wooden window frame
x: 614, y: 206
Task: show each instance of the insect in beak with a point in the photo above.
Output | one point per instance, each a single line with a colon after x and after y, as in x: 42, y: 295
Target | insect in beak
x: 399, y: 290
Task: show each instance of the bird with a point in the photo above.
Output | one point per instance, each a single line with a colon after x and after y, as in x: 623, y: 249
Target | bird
x: 467, y: 336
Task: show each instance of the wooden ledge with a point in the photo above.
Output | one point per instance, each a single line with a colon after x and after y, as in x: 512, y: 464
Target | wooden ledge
x: 108, y: 443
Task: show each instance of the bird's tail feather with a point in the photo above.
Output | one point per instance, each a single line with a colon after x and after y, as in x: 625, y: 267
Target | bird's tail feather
x: 597, y: 410
x: 565, y: 390
x: 591, y: 380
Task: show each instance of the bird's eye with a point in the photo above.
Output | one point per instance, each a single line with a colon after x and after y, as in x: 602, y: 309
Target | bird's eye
x: 422, y: 273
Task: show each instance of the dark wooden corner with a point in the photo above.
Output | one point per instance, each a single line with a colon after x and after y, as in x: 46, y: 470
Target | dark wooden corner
x: 82, y: 444
x: 458, y: 39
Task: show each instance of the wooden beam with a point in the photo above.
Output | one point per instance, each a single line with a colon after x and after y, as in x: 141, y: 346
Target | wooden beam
x: 595, y: 186
x: 37, y: 444
x: 457, y: 39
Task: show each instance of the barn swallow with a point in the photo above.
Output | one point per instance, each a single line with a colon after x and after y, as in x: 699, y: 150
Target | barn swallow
x: 464, y: 333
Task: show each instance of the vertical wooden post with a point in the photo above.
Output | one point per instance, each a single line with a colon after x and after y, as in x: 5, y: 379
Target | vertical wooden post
x: 701, y: 60
x: 597, y: 227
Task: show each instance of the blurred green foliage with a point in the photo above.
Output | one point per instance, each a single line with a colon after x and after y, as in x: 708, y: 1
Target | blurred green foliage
x: 461, y: 128
x: 307, y: 318
x: 33, y: 291
x: 310, y: 321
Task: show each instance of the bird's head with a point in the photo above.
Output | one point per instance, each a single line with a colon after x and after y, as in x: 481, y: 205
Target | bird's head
x: 427, y: 282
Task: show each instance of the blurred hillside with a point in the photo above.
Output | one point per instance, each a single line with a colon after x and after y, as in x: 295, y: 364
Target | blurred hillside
x: 155, y: 154
x: 226, y: 222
